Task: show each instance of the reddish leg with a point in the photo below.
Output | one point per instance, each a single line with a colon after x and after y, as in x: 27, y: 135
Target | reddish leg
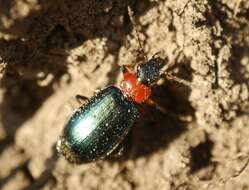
x: 168, y: 112
x: 179, y: 80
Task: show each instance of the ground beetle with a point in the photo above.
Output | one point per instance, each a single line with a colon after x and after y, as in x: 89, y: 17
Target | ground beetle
x: 101, y: 123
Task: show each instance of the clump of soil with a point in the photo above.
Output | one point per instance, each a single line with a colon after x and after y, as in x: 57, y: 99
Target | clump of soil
x: 52, y: 50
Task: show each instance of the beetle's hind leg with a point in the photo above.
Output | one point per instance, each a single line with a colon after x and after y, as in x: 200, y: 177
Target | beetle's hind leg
x: 81, y: 99
x: 117, y: 152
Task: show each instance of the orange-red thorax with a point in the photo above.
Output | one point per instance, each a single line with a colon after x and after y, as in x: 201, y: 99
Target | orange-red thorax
x: 134, y: 89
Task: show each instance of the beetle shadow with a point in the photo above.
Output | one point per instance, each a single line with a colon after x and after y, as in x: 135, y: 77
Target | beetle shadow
x: 156, y: 130
x: 44, y: 50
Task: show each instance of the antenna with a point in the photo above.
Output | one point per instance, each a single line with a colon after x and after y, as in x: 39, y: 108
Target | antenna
x: 131, y: 15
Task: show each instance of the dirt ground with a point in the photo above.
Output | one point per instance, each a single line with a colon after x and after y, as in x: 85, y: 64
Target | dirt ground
x: 52, y: 50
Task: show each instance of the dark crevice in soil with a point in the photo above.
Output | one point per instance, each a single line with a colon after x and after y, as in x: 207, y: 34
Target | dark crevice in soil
x: 201, y: 155
x: 47, y: 175
x: 156, y: 130
x: 12, y: 173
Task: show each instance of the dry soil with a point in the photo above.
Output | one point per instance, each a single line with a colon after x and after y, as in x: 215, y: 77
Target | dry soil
x: 52, y: 50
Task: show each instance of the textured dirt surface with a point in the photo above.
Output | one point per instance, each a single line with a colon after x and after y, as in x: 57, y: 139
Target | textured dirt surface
x: 52, y: 50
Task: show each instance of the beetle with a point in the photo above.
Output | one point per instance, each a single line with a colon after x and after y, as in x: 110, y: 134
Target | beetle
x: 96, y: 128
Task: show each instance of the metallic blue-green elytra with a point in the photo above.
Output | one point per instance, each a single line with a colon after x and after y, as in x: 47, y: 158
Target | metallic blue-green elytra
x: 98, y: 127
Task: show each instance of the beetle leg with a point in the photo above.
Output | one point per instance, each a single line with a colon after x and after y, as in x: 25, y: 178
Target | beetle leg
x: 126, y: 68
x: 157, y: 106
x: 168, y: 112
x: 179, y: 80
x: 96, y: 91
x: 2, y: 67
x: 136, y: 138
x: 117, y: 152
x: 156, y: 55
x: 81, y: 99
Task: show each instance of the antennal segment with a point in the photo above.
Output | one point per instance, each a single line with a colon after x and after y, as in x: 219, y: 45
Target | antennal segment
x: 141, y: 49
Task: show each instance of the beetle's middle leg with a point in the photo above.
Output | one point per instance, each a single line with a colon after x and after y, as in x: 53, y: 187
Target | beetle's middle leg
x: 168, y: 112
x: 81, y: 99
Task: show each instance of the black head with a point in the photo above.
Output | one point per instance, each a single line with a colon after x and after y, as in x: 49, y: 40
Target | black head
x: 149, y: 72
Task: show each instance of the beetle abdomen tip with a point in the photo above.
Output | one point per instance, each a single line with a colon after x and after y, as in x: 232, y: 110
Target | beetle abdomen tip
x: 64, y: 149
